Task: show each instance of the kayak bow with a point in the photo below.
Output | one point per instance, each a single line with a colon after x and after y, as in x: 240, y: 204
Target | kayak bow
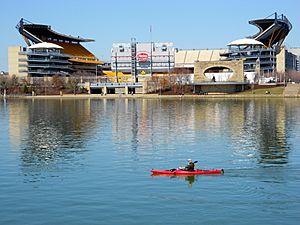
x: 185, y: 172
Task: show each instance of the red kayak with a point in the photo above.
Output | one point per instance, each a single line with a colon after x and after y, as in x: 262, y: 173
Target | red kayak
x: 185, y: 172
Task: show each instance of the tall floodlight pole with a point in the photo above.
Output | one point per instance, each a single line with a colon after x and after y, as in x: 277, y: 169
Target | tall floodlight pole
x: 133, y: 60
x: 96, y: 73
x: 169, y: 62
x: 116, y: 64
x: 273, y: 66
x: 151, y: 51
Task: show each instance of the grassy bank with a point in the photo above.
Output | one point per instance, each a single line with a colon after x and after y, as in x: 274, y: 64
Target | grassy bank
x: 154, y: 96
x: 264, y: 91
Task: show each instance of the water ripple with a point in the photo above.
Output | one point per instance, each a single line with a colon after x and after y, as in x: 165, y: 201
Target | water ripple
x: 88, y: 161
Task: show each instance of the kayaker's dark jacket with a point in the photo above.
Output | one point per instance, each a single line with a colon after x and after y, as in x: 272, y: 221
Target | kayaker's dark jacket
x: 190, y: 167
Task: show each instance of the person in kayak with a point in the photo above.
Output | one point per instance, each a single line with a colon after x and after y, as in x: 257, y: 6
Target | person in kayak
x: 190, y: 166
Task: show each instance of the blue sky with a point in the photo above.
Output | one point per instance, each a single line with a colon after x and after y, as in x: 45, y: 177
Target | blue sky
x: 189, y: 24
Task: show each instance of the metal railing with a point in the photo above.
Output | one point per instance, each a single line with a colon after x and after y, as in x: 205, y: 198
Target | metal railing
x: 114, y: 85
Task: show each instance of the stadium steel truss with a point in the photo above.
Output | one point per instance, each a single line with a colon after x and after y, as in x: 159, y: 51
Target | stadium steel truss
x: 261, y: 58
x: 272, y: 31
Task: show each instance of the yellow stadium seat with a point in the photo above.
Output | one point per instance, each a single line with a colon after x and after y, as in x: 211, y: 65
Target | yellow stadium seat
x: 80, y: 53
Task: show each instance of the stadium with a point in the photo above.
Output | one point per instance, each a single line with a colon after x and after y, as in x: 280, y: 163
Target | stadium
x: 247, y: 60
x: 80, y: 59
x: 254, y: 59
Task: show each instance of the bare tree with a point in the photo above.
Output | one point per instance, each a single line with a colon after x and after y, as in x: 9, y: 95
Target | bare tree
x: 58, y: 82
x: 3, y: 84
x: 7, y: 82
x: 293, y: 75
x: 14, y: 81
x: 73, y: 84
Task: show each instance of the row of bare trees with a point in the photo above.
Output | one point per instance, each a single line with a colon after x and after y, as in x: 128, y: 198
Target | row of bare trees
x: 283, y: 77
x: 172, y: 84
x: 292, y: 75
x: 40, y: 85
x: 177, y: 82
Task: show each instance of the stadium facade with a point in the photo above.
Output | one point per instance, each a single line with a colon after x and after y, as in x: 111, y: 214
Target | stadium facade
x: 137, y: 58
x: 259, y: 51
x: 246, y: 60
x: 47, y: 59
x: 68, y: 57
x: 17, y: 61
x: 262, y: 55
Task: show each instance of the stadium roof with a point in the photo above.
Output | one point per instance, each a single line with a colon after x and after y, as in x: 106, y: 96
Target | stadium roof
x: 245, y: 42
x: 45, y: 45
x: 272, y: 31
x: 45, y: 33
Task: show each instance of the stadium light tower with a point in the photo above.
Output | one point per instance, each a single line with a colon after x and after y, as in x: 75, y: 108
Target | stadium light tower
x: 96, y: 73
x: 116, y: 64
x: 151, y: 72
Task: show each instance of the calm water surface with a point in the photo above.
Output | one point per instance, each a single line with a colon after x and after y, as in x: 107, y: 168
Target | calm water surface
x: 88, y: 161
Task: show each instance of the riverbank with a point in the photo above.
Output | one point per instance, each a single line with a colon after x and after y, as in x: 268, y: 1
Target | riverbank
x: 156, y: 96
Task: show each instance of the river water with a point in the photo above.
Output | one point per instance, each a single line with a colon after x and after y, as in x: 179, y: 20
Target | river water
x: 88, y: 161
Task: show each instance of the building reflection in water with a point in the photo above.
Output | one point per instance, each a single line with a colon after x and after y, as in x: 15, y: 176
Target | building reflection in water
x: 263, y: 133
x: 272, y: 133
x: 50, y: 133
x: 256, y: 127
x: 54, y: 131
x: 144, y: 124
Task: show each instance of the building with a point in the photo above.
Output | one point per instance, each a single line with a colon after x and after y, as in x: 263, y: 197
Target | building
x: 47, y: 59
x: 286, y: 60
x: 246, y: 60
x: 81, y: 60
x: 258, y: 60
x: 296, y: 52
x: 260, y: 51
x: 17, y: 61
x: 137, y: 58
x: 39, y: 60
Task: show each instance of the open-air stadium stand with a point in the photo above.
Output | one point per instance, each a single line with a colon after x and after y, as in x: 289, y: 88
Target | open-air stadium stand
x: 191, y: 56
x: 272, y: 30
x: 80, y: 56
x: 186, y: 58
x: 180, y: 58
x: 216, y: 54
x: 79, y: 53
x: 205, y: 55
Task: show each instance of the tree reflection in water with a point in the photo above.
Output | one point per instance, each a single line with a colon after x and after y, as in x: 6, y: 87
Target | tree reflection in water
x: 189, y: 179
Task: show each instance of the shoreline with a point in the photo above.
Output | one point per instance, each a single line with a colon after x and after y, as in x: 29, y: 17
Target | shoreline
x: 151, y: 96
